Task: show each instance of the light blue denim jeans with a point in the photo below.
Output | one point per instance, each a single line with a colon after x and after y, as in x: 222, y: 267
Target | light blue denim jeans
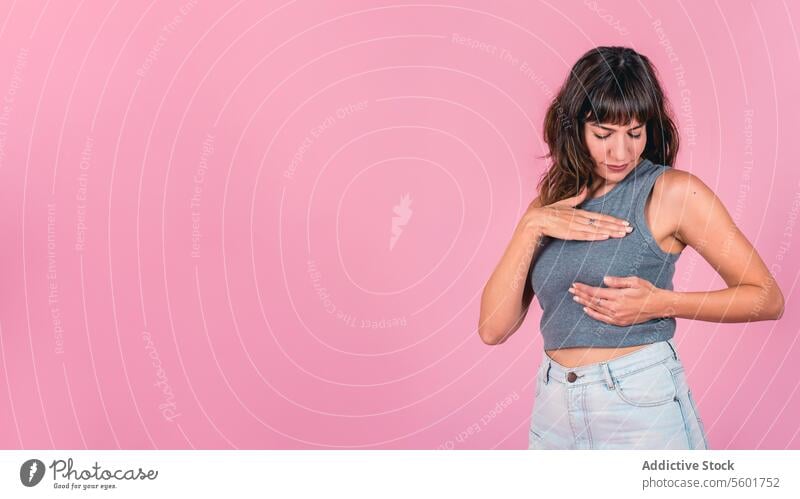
x: 640, y: 400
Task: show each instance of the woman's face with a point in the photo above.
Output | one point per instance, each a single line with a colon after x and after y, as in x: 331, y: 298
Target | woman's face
x: 613, y: 145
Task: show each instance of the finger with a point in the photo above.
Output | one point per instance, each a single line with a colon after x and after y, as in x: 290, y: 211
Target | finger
x: 595, y: 304
x: 611, y: 230
x: 600, y: 317
x: 621, y: 282
x: 610, y: 227
x: 596, y: 229
x: 601, y: 216
x: 583, y: 235
x: 591, y: 292
x: 597, y: 225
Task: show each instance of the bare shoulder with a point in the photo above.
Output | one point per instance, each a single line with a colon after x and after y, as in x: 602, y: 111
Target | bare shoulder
x: 666, y: 208
x: 689, y: 204
x: 678, y: 187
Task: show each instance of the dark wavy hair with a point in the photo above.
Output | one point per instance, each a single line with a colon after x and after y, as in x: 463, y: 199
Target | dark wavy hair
x: 607, y: 85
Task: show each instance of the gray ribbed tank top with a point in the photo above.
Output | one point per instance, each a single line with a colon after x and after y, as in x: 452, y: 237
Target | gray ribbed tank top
x: 560, y: 262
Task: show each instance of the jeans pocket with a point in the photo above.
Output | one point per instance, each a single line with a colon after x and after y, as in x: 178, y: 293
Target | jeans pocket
x: 647, y: 387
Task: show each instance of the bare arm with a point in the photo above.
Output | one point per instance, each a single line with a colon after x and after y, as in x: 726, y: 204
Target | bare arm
x: 704, y: 224
x: 508, y: 294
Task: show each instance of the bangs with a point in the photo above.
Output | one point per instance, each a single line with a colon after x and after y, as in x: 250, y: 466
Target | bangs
x: 611, y: 85
x: 618, y: 100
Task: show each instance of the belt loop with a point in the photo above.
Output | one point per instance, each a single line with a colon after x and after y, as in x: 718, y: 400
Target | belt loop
x: 547, y: 372
x: 607, y: 375
x: 674, y: 353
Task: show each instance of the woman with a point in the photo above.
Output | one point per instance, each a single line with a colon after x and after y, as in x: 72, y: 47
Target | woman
x: 600, y: 243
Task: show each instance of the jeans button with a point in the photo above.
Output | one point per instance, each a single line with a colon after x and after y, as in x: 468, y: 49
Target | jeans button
x: 571, y: 377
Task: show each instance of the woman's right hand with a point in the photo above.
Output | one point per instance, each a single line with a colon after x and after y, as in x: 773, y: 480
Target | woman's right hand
x: 561, y: 220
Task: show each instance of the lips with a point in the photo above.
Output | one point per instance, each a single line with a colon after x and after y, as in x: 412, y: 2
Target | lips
x: 617, y: 167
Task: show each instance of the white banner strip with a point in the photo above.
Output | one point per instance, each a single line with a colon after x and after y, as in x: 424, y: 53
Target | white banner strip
x: 398, y: 473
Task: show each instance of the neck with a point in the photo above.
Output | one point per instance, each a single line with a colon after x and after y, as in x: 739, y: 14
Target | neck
x: 601, y: 186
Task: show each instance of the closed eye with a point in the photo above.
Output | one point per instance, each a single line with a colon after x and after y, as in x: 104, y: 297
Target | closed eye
x: 603, y: 137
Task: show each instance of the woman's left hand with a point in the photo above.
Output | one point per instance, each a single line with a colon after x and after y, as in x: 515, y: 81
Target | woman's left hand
x: 627, y: 300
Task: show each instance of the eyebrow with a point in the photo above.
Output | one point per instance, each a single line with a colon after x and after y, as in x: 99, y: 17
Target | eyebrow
x: 612, y: 130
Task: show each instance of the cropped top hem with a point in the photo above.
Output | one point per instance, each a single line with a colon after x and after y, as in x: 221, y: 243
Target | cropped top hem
x: 613, y: 340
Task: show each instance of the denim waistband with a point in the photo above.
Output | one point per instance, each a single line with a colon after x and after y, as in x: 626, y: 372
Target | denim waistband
x: 602, y: 371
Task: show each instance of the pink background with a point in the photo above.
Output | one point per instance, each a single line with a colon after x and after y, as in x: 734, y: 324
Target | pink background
x: 283, y: 137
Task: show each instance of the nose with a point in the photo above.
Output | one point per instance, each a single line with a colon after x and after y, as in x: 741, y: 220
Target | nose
x: 618, y: 150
